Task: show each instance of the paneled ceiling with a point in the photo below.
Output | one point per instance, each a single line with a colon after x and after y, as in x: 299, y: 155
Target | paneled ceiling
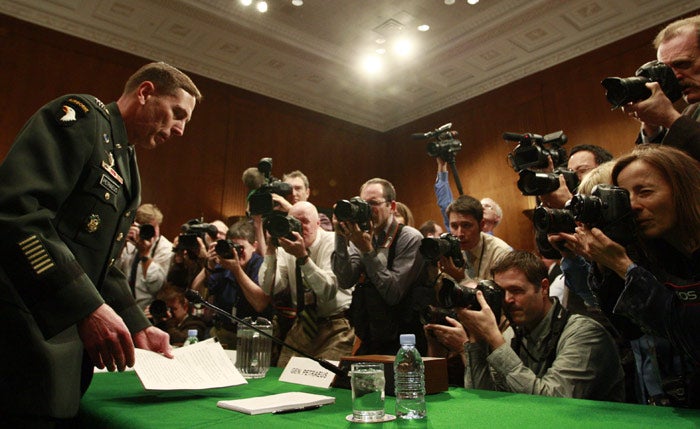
x: 308, y: 56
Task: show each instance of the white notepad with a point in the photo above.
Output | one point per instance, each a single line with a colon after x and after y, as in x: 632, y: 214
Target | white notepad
x: 276, y: 403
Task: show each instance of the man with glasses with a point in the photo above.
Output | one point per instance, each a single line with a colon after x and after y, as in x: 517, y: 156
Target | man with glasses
x: 678, y: 46
x: 384, y: 266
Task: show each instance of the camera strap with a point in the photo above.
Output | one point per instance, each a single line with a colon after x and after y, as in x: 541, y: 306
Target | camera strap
x: 560, y: 317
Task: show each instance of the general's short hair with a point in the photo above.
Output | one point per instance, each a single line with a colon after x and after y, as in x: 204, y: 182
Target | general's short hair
x: 466, y: 205
x: 166, y: 79
x: 526, y: 262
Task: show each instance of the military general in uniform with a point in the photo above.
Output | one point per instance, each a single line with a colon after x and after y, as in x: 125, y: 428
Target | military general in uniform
x: 69, y: 189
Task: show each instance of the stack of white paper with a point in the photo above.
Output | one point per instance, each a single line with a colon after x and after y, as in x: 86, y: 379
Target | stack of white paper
x: 276, y: 403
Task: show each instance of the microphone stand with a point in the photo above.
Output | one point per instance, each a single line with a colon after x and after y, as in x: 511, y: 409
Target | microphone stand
x: 194, y: 297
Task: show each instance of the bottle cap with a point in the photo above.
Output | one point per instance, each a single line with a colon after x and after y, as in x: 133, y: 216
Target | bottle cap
x: 407, y: 339
x: 191, y: 332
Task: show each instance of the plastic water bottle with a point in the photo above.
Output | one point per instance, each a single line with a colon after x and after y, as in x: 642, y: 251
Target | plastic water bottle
x: 409, y: 380
x: 191, y: 337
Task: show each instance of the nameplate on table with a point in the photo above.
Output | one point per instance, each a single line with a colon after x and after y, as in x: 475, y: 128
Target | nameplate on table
x: 301, y: 370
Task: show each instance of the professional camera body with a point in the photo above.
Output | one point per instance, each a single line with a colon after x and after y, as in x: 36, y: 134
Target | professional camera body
x: 443, y: 143
x: 225, y: 248
x: 278, y: 225
x: 452, y: 295
x: 146, y: 231
x: 607, y: 208
x: 620, y: 91
x: 354, y: 210
x: 187, y: 240
x: 446, y: 245
x: 532, y: 150
x: 260, y: 201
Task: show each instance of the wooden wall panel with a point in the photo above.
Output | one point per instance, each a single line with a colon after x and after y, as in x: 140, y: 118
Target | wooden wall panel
x: 200, y: 174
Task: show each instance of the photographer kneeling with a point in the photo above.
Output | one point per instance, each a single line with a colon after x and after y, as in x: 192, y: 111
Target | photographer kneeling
x: 661, y: 271
x: 553, y: 353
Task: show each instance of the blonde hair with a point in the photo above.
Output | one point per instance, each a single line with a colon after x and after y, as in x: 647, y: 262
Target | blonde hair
x: 600, y: 175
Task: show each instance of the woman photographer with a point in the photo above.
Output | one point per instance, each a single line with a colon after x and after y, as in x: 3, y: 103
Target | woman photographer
x: 661, y: 270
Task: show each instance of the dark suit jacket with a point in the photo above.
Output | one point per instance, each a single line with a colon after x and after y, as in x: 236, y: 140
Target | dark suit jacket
x: 68, y: 194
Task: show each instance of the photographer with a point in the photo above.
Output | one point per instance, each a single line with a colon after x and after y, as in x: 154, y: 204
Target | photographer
x: 230, y: 281
x: 582, y: 159
x: 379, y: 258
x: 553, y: 353
x: 677, y: 46
x: 146, y: 256
x: 465, y: 216
x: 300, y: 260
x: 177, y: 319
x: 662, y: 270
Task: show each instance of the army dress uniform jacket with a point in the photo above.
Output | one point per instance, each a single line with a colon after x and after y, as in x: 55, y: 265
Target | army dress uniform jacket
x: 69, y: 190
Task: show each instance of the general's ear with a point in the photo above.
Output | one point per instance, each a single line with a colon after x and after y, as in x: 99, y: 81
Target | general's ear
x: 145, y: 90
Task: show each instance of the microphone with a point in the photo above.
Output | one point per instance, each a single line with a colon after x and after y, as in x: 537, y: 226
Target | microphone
x: 195, y: 298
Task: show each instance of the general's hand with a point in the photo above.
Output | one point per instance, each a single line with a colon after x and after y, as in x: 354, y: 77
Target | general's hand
x: 481, y: 324
x: 155, y: 340
x: 106, y: 339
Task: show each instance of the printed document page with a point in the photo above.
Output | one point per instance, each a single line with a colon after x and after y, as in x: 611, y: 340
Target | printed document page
x: 203, y: 365
x: 291, y: 401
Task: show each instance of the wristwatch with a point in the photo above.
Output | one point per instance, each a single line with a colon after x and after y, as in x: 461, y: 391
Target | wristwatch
x: 302, y: 260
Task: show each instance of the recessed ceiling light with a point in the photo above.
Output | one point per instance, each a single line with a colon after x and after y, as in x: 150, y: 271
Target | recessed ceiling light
x: 424, y: 27
x: 380, y: 41
x: 381, y: 51
x: 372, y: 64
x: 298, y: 2
x: 403, y: 47
x: 261, y: 6
x: 246, y: 2
x: 472, y: 1
x: 449, y: 2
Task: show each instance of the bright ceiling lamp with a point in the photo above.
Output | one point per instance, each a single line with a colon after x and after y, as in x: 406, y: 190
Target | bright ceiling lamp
x: 403, y: 48
x: 472, y: 2
x: 246, y: 2
x: 261, y: 6
x: 372, y: 64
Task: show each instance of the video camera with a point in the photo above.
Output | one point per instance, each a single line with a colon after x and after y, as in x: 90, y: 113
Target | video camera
x: 620, y: 91
x: 532, y: 150
x: 446, y: 245
x: 354, y: 210
x: 260, y: 201
x: 607, y: 208
x: 187, y: 240
x: 443, y: 143
x: 451, y: 296
x: 225, y: 248
x: 278, y: 225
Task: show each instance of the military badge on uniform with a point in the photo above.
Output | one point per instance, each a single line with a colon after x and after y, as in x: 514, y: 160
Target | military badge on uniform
x: 92, y: 223
x: 71, y: 110
x: 108, y: 166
